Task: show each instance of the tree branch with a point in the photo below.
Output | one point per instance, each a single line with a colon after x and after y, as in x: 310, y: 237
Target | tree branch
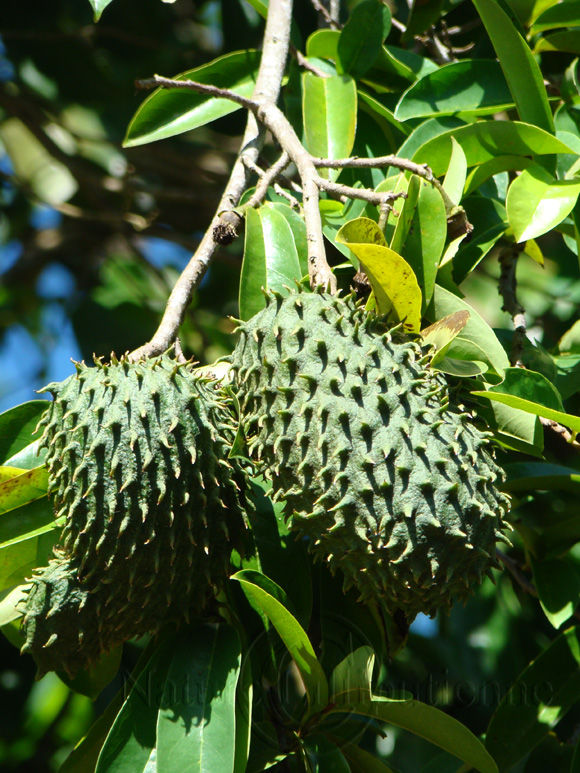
x: 268, y: 83
x: 508, y: 259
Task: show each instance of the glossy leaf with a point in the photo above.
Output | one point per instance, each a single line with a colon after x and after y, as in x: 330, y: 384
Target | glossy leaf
x: 353, y: 675
x: 440, y: 334
x: 456, y: 174
x: 476, y: 330
x: 361, y: 38
x: 98, y: 7
x: 483, y: 172
x: 471, y: 86
x: 426, y: 722
x: 489, y: 220
x: 568, y: 41
x: 565, y: 14
x: 131, y: 740
x: 557, y: 581
x: 25, y: 486
x: 406, y: 210
x: 527, y: 476
x: 537, y: 700
x: 533, y: 393
x: 329, y: 108
x: 537, y: 202
x: 85, y: 754
x: 323, y: 755
x: 275, y: 254
x: 92, y: 681
x: 17, y: 427
x: 393, y: 281
x: 522, y: 73
x: 422, y: 15
x: 459, y: 368
x: 27, y: 536
x: 424, y: 244
x: 167, y: 112
x: 361, y: 761
x: 369, y: 103
x: 485, y: 140
x: 196, y: 721
x: 291, y: 633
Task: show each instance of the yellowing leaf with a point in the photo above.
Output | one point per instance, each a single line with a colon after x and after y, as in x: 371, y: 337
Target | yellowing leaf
x: 393, y: 281
x: 442, y: 332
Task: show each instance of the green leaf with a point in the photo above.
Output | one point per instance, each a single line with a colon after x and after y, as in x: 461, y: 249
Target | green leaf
x: 489, y: 220
x: 444, y: 331
x: 422, y: 15
x: 568, y: 41
x: 483, y: 172
x: 533, y: 393
x: 323, y: 755
x: 406, y: 211
x: 291, y: 633
x: 521, y: 71
x: 557, y: 581
x: 377, y: 110
x: 426, y: 722
x: 460, y: 368
x: 361, y: 761
x: 536, y: 202
x: 167, y: 112
x: 537, y: 700
x: 196, y: 722
x: 27, y: 536
x: 131, y: 741
x: 392, y: 278
x: 476, y: 330
x: 470, y: 86
x: 485, y: 140
x: 92, y: 681
x: 353, y: 675
x: 84, y: 756
x: 570, y: 341
x: 275, y: 254
x: 329, y: 108
x: 98, y: 7
x: 361, y: 39
x: 565, y: 14
x: 427, y: 235
x: 25, y: 486
x: 17, y: 427
x: 527, y: 476
x: 456, y: 174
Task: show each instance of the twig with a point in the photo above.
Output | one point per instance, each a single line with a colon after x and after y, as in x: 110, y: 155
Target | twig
x: 292, y: 200
x: 508, y: 259
x: 358, y: 193
x: 267, y: 178
x: 514, y: 569
x: 306, y: 65
x: 326, y: 15
x: 526, y: 585
x: 564, y: 432
x: 421, y: 170
x: 159, y: 81
x: 268, y: 83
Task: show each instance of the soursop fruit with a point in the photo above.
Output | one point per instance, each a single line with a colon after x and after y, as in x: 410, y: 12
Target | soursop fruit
x: 394, y: 486
x: 138, y: 465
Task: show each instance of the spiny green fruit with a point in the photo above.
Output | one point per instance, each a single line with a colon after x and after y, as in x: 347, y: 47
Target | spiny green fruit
x: 138, y: 465
x: 394, y: 486
x: 63, y: 620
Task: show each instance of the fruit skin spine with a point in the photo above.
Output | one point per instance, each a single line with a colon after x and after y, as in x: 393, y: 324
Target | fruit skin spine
x: 394, y: 486
x: 138, y: 460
